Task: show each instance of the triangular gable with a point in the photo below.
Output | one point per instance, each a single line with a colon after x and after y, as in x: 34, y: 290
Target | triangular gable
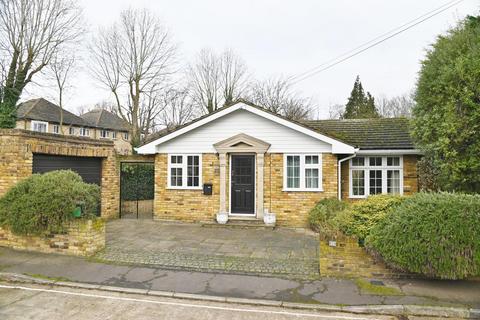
x: 338, y: 147
x: 242, y: 143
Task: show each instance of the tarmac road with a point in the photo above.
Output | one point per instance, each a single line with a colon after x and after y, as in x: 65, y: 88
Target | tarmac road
x: 29, y: 301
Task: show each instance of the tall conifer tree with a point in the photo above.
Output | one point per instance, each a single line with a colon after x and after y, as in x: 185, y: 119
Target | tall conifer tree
x: 360, y: 105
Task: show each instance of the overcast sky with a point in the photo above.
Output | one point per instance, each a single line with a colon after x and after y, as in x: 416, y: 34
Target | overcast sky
x: 288, y: 37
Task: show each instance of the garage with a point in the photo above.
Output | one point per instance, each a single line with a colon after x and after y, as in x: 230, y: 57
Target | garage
x: 89, y: 168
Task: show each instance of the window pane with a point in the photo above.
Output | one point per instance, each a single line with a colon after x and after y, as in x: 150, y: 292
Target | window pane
x: 358, y: 162
x: 358, y: 182
x: 293, y: 171
x: 193, y: 171
x: 393, y: 181
x: 176, y: 177
x: 311, y: 178
x: 375, y: 181
x: 375, y: 161
x: 393, y: 161
x: 311, y: 159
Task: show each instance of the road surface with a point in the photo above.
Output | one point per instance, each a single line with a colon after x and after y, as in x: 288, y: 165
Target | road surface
x: 28, y: 301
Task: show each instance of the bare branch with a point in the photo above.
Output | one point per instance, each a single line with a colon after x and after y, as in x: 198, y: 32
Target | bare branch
x: 134, y: 59
x: 276, y: 95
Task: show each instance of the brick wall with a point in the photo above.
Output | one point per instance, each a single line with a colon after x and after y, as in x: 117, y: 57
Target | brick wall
x: 121, y: 145
x: 292, y: 208
x: 187, y: 205
x: 348, y: 259
x: 16, y: 159
x: 83, y: 238
x: 410, y: 176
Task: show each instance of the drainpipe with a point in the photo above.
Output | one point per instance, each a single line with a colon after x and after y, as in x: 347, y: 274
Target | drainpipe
x: 340, y: 172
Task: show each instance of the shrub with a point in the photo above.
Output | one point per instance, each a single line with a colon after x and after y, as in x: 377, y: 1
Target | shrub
x: 435, y: 234
x: 363, y: 215
x: 322, y: 217
x: 43, y: 203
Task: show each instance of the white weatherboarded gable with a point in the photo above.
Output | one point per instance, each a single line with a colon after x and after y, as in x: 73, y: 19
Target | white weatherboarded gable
x: 284, y: 136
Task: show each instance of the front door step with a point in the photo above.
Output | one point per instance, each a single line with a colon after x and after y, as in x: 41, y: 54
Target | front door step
x: 241, y: 224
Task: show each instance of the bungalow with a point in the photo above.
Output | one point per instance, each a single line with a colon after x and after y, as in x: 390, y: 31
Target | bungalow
x: 245, y: 161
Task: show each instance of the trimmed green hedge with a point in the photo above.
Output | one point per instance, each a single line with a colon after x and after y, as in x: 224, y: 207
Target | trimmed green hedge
x: 137, y: 181
x: 322, y: 217
x: 435, y: 234
x: 43, y: 203
x: 359, y: 218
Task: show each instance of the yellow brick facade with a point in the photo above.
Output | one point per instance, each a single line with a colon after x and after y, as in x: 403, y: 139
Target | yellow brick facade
x: 187, y: 205
x: 291, y: 208
x: 16, y: 160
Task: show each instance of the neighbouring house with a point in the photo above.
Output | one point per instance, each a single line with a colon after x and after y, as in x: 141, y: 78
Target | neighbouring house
x: 44, y: 116
x: 245, y: 161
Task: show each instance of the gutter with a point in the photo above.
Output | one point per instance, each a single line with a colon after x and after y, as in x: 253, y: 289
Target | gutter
x: 339, y: 173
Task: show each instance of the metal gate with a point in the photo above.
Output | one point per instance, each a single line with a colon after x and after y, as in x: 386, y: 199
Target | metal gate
x: 137, y: 180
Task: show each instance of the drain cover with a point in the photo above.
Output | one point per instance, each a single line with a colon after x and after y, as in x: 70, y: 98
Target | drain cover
x: 377, y: 282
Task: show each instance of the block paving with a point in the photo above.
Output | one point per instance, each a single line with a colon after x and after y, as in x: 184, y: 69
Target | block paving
x: 285, y: 252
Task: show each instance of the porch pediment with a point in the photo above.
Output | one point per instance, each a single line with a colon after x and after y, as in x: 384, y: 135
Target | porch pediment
x: 241, y: 143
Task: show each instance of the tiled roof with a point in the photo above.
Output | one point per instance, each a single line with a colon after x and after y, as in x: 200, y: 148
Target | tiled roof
x: 43, y: 110
x: 104, y: 119
x: 381, y: 133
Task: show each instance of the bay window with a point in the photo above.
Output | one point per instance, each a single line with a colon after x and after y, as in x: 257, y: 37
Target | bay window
x: 371, y: 175
x: 302, y: 172
x: 184, y: 171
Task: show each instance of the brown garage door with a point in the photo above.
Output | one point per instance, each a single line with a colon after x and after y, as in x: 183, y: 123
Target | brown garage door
x: 89, y: 168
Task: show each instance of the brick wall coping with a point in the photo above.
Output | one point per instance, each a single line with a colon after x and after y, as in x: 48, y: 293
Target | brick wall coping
x: 55, y: 137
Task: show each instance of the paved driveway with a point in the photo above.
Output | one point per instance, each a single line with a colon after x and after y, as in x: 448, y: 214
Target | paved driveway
x: 193, y: 247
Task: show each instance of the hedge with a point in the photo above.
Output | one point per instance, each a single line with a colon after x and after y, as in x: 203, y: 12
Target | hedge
x: 137, y: 181
x: 358, y: 219
x: 43, y: 203
x: 435, y: 234
x: 322, y: 217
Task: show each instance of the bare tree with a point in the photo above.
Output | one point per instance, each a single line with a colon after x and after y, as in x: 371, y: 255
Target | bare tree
x: 178, y: 108
x: 60, y: 71
x: 277, y: 95
x: 234, y: 77
x: 134, y: 59
x: 31, y: 34
x: 217, y: 80
x: 336, y: 111
x: 398, y: 106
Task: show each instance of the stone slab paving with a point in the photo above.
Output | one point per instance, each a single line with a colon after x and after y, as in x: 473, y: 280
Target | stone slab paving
x: 287, y: 252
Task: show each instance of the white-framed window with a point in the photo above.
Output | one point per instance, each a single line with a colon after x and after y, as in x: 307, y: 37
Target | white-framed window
x: 125, y: 136
x: 376, y: 175
x: 39, y: 126
x: 71, y: 131
x: 114, y: 134
x: 56, y: 128
x: 104, y: 133
x: 302, y: 172
x: 84, y: 132
x: 184, y: 171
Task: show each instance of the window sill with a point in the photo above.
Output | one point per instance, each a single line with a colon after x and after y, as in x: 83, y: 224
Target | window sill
x: 357, y: 197
x: 302, y: 190
x: 184, y: 188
